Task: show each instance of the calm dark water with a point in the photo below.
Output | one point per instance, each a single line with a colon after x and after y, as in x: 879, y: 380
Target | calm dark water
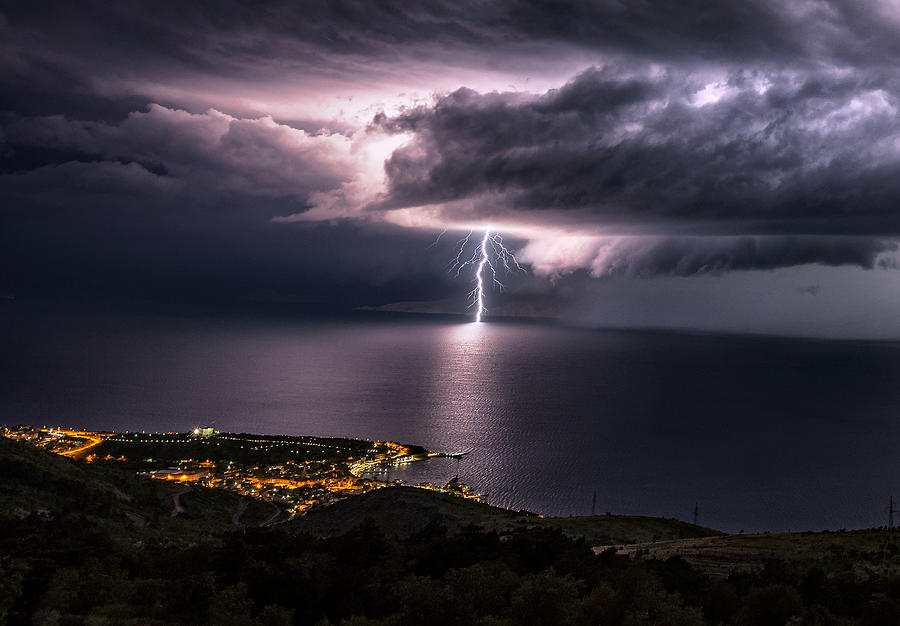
x: 763, y: 433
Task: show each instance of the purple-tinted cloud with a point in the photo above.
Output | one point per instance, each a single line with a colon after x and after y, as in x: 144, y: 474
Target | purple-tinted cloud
x: 647, y: 256
x: 618, y: 138
x: 213, y: 151
x: 772, y: 153
x: 661, y: 153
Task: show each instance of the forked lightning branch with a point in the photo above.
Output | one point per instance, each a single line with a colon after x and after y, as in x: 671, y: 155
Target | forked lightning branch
x: 487, y: 257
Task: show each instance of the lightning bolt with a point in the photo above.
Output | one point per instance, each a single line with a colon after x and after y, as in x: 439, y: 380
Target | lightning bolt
x: 485, y: 258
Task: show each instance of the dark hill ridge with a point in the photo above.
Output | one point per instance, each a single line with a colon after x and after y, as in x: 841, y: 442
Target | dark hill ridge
x: 35, y: 482
x: 403, y: 511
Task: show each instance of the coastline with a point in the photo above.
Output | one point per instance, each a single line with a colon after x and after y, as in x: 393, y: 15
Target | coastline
x: 296, y: 473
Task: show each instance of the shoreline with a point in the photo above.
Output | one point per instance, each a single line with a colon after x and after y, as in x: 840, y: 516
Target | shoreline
x: 296, y: 473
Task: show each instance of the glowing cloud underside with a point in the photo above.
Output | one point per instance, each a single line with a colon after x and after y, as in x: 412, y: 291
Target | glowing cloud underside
x: 484, y: 258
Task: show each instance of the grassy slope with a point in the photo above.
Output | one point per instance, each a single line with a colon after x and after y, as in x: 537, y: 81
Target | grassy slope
x: 860, y: 552
x: 401, y: 511
x: 33, y: 480
x: 622, y: 529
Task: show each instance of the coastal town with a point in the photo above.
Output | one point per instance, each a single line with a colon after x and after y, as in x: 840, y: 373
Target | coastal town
x: 296, y: 474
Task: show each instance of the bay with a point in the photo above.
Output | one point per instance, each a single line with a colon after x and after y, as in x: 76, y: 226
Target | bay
x: 761, y: 433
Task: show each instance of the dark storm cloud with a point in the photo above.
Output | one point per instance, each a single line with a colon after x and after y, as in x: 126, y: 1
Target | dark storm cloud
x: 167, y: 202
x: 212, y: 151
x: 775, y: 153
x: 110, y: 228
x: 235, y: 35
x: 60, y: 56
x: 647, y: 256
x: 161, y: 138
x: 767, y: 31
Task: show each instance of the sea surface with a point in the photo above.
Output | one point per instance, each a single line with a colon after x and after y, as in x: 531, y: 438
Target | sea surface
x: 759, y: 433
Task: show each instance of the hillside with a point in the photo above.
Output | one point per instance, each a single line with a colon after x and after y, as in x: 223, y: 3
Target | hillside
x: 72, y: 551
x: 626, y: 529
x: 42, y: 485
x: 859, y: 553
x: 403, y: 511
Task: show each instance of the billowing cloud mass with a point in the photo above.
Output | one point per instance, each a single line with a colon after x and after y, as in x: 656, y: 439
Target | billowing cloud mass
x: 758, y: 152
x: 210, y: 150
x: 664, y: 153
x: 212, y: 153
x: 607, y: 138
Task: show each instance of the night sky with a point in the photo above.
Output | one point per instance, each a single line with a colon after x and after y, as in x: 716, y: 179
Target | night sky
x: 712, y: 165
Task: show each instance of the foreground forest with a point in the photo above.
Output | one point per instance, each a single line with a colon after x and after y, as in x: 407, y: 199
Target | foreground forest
x: 83, y: 545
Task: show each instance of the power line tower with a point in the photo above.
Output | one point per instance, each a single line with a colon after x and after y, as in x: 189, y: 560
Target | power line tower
x: 891, y: 511
x: 594, y: 504
x: 696, y: 512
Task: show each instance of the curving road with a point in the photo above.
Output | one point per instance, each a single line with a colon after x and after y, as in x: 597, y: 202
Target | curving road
x: 235, y: 519
x: 176, y: 501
